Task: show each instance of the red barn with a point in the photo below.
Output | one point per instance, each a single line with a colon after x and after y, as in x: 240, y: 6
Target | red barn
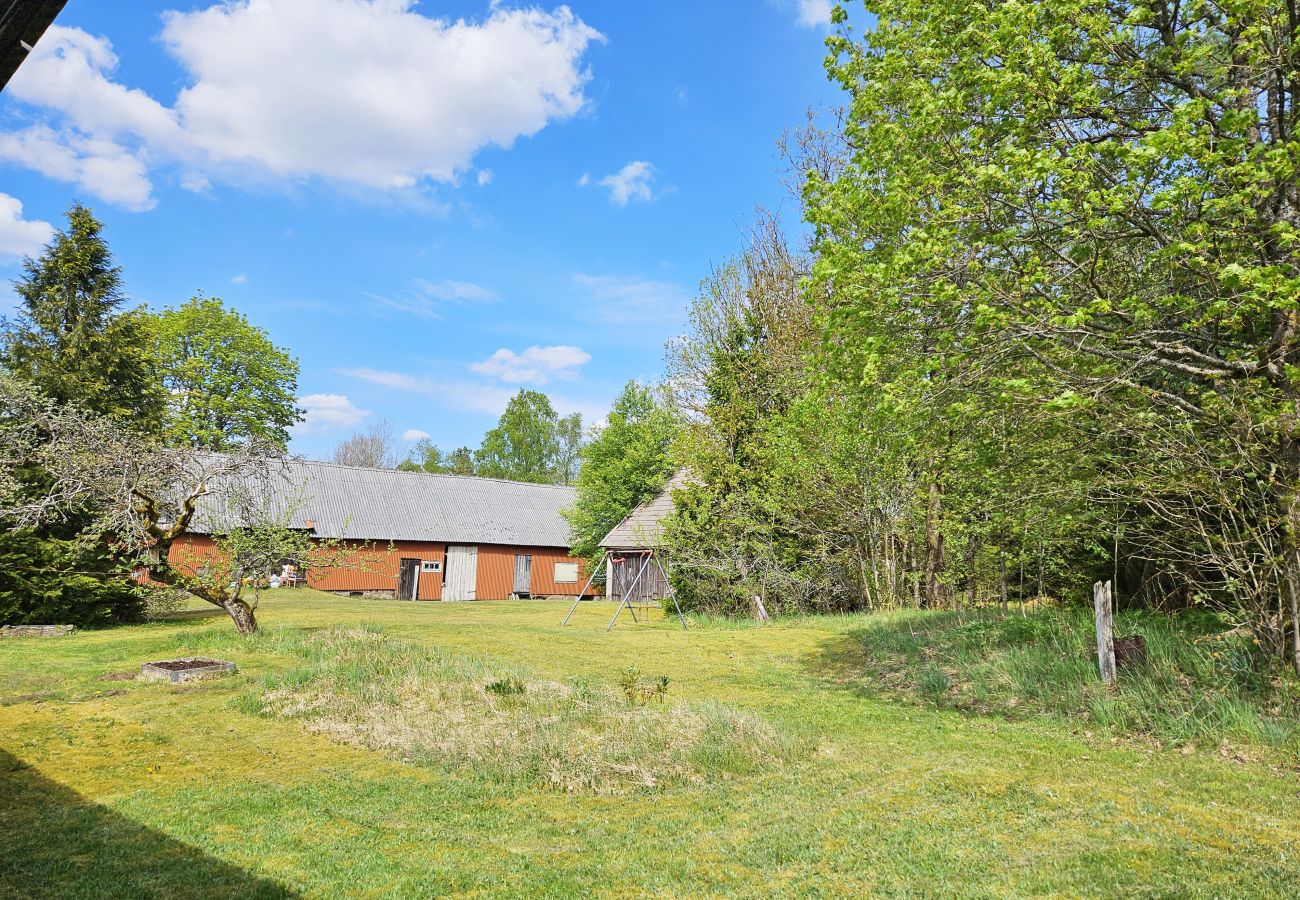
x: 426, y: 536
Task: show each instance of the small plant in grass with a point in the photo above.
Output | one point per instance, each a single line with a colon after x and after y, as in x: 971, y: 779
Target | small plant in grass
x: 509, y: 686
x: 640, y: 691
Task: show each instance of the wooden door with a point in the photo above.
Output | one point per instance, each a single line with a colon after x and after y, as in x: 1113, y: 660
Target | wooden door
x: 523, y: 574
x: 460, y: 575
x: 408, y: 579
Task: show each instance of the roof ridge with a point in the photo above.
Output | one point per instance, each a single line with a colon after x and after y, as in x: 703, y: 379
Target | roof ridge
x: 334, y: 465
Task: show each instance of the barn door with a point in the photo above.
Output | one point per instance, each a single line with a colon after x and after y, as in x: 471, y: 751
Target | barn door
x: 523, y: 574
x: 408, y: 579
x: 460, y: 580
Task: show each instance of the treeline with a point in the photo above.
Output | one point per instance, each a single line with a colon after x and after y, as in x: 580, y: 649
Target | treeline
x: 531, y: 442
x: 198, y: 376
x: 1046, y: 329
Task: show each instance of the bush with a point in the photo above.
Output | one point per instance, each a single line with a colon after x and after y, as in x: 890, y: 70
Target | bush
x: 47, y: 581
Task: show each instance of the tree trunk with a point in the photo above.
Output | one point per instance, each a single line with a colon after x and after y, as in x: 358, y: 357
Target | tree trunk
x: 241, y: 614
x: 933, y: 547
x: 972, y: 555
x: 239, y: 611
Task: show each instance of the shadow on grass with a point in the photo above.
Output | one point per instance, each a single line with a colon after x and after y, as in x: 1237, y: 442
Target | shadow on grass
x: 55, y: 843
x: 867, y: 658
x: 192, y: 615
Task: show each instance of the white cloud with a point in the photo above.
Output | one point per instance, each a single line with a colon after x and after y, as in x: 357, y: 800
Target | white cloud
x: 464, y: 395
x: 358, y: 92
x: 484, y: 177
x: 632, y: 182
x: 19, y: 236
x: 328, y: 412
x: 470, y: 396
x: 395, y: 380
x: 456, y: 290
x: 815, y: 13
x: 634, y: 300
x: 427, y: 299
x: 100, y: 166
x: 415, y: 434
x: 241, y: 278
x: 536, y: 365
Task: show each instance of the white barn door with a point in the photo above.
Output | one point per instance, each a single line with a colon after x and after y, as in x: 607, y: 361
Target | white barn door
x: 460, y: 580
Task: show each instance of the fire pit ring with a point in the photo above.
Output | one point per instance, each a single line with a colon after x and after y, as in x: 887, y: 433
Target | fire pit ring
x: 188, y: 668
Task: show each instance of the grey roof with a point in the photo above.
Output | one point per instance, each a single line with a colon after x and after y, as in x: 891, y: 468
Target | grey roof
x: 643, y: 527
x: 386, y: 504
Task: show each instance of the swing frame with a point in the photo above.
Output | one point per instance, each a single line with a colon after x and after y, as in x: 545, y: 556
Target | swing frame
x: 648, y: 557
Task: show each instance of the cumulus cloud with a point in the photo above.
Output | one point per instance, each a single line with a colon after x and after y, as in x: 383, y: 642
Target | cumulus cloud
x: 815, y: 13
x: 415, y: 434
x: 19, y: 236
x: 357, y: 92
x: 484, y: 177
x: 99, y: 166
x: 630, y: 300
x: 241, y: 278
x: 536, y: 365
x: 632, y: 182
x: 328, y: 412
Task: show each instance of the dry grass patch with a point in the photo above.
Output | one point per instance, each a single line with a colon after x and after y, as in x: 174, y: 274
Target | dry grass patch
x: 362, y: 687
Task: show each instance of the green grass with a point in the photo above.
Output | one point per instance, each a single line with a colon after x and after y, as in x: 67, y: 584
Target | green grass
x: 129, y: 789
x: 1200, y: 684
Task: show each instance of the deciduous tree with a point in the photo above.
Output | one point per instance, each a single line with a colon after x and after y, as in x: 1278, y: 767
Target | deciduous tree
x: 225, y: 382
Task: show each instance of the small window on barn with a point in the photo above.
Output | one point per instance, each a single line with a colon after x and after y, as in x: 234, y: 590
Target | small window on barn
x: 566, y: 573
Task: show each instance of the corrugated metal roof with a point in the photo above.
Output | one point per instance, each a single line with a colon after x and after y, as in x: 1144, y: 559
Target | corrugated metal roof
x: 643, y: 527
x: 386, y: 504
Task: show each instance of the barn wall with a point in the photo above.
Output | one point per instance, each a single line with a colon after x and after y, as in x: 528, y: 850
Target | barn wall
x: 496, y: 571
x: 380, y: 562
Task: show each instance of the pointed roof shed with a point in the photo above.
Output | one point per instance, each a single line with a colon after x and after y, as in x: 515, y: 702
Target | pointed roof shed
x: 643, y: 527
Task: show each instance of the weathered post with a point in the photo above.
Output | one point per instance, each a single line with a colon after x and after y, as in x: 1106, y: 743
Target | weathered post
x: 1101, y: 601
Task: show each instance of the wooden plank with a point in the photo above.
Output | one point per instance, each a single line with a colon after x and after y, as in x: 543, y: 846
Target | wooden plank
x: 1101, y: 601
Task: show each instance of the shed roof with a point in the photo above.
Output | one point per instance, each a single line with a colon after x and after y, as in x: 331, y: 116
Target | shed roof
x: 387, y: 504
x: 643, y: 527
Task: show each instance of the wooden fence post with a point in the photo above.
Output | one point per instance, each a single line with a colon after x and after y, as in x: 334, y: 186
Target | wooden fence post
x: 1101, y: 601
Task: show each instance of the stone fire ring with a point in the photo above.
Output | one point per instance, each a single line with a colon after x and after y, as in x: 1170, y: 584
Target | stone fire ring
x: 189, y: 668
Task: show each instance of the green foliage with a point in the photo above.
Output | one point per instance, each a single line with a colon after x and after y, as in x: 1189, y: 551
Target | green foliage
x: 71, y: 338
x: 53, y: 579
x: 626, y: 463
x: 510, y: 686
x: 525, y: 445
x: 72, y: 343
x: 225, y: 381
x: 1056, y: 280
x: 640, y: 691
x: 425, y: 456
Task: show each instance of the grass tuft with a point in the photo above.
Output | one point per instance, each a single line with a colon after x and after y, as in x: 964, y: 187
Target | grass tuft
x: 1200, y: 684
x: 361, y: 687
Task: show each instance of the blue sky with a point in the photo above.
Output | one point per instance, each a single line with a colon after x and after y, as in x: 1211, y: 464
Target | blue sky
x: 431, y: 205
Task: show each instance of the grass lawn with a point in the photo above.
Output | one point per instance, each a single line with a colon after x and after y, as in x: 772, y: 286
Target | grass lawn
x: 117, y: 788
